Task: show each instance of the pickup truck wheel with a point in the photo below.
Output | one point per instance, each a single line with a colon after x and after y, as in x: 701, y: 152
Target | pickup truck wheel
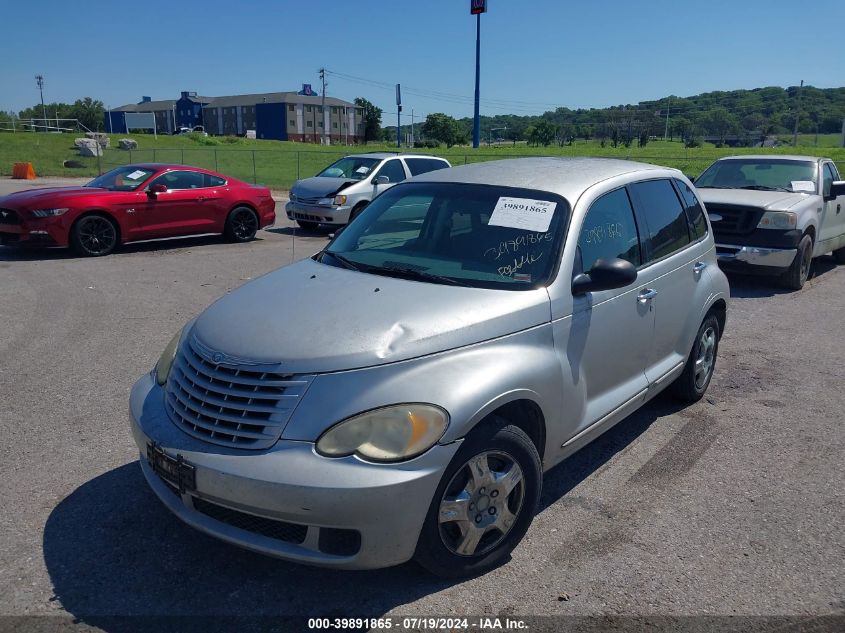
x: 308, y: 226
x: 799, y: 271
x: 484, y: 503
x: 839, y: 255
x: 694, y: 380
x: 356, y: 211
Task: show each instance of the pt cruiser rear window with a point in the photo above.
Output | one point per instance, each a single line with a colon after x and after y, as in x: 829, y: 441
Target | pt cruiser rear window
x: 457, y: 234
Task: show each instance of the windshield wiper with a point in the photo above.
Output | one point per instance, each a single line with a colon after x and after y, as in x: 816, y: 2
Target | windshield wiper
x: 411, y: 273
x: 764, y: 188
x: 713, y: 187
x: 343, y: 260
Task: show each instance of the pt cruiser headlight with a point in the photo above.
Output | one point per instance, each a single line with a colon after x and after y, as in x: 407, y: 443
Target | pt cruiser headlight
x: 391, y: 434
x: 778, y: 220
x: 166, y: 361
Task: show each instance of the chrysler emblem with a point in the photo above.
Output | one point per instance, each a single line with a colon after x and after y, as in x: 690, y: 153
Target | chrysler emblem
x: 217, y: 357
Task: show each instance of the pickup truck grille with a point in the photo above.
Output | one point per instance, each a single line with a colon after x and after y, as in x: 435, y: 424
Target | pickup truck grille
x: 244, y: 405
x: 736, y: 220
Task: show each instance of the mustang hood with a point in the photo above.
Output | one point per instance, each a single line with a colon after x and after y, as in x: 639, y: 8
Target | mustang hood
x: 320, y: 187
x: 771, y: 200
x: 311, y: 317
x: 33, y: 198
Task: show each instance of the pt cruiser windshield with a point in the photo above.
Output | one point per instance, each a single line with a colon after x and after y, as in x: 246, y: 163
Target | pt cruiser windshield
x: 458, y: 234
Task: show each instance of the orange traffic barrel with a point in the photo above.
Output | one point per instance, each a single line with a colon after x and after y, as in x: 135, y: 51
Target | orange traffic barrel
x: 23, y: 171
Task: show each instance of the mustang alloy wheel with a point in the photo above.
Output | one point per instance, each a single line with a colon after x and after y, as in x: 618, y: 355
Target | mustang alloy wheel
x: 241, y: 225
x: 94, y: 236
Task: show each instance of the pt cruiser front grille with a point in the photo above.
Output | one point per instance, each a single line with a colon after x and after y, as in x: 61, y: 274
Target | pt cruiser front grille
x: 244, y: 404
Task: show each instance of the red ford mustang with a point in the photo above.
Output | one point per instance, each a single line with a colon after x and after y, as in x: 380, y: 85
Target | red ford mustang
x: 136, y: 202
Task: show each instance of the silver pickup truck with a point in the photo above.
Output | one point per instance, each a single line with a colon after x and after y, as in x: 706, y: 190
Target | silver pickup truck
x: 774, y: 214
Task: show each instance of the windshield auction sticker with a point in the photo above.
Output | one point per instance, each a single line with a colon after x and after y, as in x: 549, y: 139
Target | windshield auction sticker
x: 523, y: 213
x: 135, y: 175
x: 805, y: 186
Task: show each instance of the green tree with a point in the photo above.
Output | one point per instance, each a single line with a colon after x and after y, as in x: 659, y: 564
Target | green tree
x: 372, y: 119
x: 544, y: 133
x: 89, y: 112
x: 443, y: 128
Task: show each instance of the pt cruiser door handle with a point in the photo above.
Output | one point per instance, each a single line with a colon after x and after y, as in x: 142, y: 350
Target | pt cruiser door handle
x: 646, y: 294
x: 698, y: 267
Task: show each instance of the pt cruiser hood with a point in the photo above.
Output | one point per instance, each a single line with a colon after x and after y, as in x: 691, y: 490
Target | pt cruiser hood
x: 771, y: 200
x: 311, y: 318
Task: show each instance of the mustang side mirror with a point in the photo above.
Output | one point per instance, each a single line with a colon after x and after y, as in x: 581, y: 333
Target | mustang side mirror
x: 606, y: 274
x: 156, y: 189
x: 381, y: 180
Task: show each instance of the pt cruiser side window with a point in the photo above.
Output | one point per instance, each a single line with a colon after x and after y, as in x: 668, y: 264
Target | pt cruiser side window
x: 609, y: 231
x: 695, y: 214
x: 666, y: 228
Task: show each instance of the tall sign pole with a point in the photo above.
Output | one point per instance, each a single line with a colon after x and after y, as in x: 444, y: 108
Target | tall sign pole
x: 398, y: 116
x: 476, y: 8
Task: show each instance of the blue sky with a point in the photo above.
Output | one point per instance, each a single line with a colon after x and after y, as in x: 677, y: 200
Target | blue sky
x: 536, y: 54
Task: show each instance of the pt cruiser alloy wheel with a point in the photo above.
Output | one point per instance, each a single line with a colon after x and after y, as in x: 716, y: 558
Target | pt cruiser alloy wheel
x: 484, y: 504
x: 693, y: 382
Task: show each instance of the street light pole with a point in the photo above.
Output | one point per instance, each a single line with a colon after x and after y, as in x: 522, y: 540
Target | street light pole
x: 476, y: 120
x: 39, y: 79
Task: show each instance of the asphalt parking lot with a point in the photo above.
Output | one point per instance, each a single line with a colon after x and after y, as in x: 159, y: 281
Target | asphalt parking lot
x: 733, y: 506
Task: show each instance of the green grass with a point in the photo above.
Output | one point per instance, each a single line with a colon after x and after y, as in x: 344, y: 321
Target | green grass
x: 278, y: 164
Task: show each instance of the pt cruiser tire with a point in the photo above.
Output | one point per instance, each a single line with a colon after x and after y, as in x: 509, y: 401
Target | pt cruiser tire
x: 693, y: 382
x: 484, y: 504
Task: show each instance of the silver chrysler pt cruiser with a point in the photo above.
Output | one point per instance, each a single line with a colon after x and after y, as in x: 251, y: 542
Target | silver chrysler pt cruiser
x: 399, y: 395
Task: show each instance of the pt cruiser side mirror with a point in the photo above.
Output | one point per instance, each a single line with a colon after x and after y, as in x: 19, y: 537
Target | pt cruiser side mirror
x: 606, y: 274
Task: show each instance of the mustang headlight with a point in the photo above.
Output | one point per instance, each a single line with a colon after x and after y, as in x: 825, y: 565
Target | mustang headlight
x: 391, y: 434
x: 49, y: 213
x: 778, y: 220
x: 166, y: 361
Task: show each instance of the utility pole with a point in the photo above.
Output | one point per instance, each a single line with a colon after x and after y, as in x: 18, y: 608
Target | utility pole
x: 843, y: 132
x: 398, y: 116
x: 413, y: 141
x: 39, y: 79
x: 797, y: 116
x: 666, y: 132
x: 476, y: 8
x: 323, y: 104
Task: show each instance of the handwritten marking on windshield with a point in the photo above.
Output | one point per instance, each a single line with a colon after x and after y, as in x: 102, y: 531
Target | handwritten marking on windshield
x: 507, y: 247
x: 518, y: 263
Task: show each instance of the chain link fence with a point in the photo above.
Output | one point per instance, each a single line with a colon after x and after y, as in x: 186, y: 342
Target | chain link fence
x: 279, y: 169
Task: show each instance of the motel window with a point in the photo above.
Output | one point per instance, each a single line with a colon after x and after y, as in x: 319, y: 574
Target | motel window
x: 334, y: 124
x: 309, y: 124
x: 308, y: 108
x: 290, y: 108
x: 292, y: 123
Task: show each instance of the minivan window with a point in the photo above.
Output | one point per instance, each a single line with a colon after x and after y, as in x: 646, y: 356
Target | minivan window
x: 393, y: 170
x: 695, y: 213
x: 609, y: 231
x: 462, y: 234
x: 419, y: 166
x: 666, y: 227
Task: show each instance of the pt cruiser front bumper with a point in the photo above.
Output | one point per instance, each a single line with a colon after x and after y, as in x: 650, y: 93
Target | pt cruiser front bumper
x: 288, y: 501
